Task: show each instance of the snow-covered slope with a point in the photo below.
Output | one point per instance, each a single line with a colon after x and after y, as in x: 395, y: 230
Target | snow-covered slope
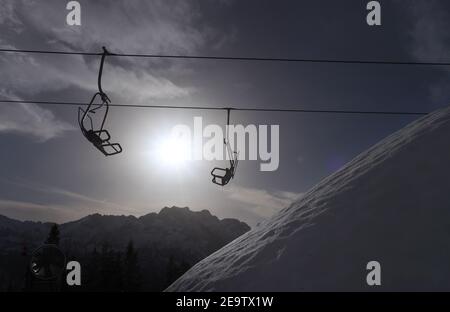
x: 390, y: 204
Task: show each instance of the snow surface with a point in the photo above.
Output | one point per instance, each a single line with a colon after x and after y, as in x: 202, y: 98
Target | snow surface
x: 390, y: 204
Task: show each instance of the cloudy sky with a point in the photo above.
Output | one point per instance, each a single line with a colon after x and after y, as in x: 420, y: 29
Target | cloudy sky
x: 49, y: 172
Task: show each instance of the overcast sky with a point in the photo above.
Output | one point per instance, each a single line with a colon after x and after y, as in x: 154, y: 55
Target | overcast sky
x: 49, y: 172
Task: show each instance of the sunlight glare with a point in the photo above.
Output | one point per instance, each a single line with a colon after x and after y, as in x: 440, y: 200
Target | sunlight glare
x: 173, y: 152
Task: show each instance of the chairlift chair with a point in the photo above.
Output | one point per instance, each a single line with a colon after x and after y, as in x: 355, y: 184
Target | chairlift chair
x: 98, y: 136
x: 222, y: 176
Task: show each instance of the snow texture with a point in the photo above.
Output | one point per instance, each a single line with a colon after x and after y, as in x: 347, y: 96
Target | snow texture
x: 390, y: 204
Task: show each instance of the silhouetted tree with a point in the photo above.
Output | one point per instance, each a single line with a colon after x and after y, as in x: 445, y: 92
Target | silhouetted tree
x: 132, y: 276
x: 10, y: 286
x: 110, y: 268
x: 53, y: 236
x: 175, y: 269
x: 92, y: 271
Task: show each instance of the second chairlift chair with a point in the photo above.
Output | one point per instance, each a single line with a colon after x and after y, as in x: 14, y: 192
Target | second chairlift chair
x: 99, y: 136
x: 221, y: 176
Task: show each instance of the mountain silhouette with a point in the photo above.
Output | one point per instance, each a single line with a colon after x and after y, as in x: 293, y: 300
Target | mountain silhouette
x: 167, y: 243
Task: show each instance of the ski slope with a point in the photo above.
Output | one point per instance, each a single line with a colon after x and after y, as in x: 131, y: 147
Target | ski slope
x: 390, y: 204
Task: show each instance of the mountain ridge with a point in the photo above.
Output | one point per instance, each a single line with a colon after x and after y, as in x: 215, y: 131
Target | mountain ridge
x: 169, y: 224
x: 167, y: 243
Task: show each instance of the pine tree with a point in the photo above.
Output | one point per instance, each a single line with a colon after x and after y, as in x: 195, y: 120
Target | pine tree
x: 171, y: 270
x: 175, y: 269
x: 132, y: 274
x: 53, y: 236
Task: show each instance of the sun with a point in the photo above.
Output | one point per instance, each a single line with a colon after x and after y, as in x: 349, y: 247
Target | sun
x: 173, y: 152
